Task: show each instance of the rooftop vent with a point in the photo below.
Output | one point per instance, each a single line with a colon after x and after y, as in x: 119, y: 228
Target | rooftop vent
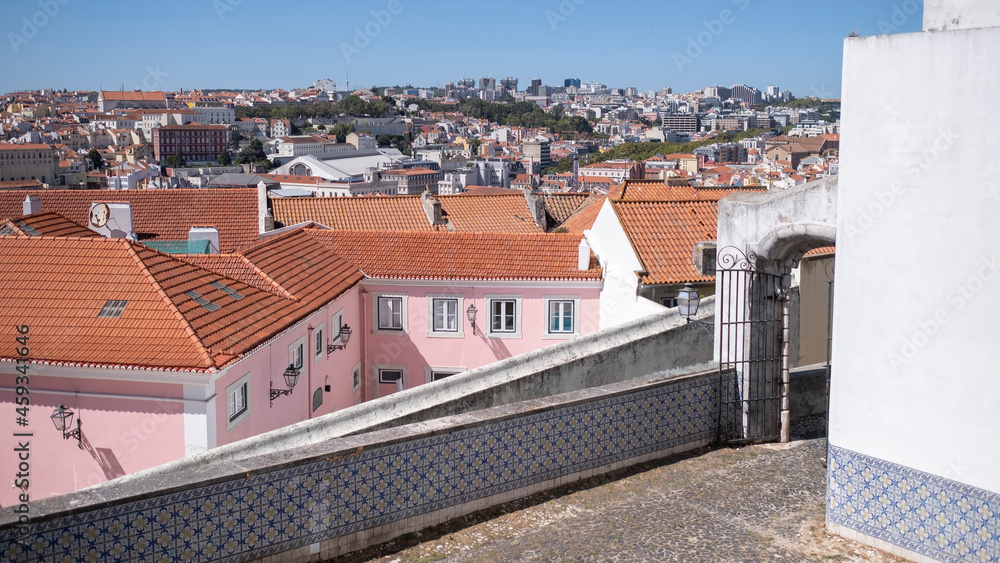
x: 113, y: 309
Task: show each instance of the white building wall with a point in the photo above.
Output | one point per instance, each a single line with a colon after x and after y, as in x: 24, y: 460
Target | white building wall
x: 918, y: 279
x: 620, y: 300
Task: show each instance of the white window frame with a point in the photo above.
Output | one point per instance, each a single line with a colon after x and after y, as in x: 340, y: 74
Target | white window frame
x: 376, y: 299
x: 429, y: 371
x: 336, y: 322
x: 297, y: 348
x: 377, y: 375
x: 318, y: 342
x: 356, y: 378
x: 546, y: 314
x: 488, y: 321
x: 460, y: 320
x: 234, y: 418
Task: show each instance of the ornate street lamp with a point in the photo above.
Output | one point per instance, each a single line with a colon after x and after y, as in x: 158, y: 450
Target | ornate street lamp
x: 291, y: 376
x: 345, y: 336
x: 62, y: 418
x: 470, y: 313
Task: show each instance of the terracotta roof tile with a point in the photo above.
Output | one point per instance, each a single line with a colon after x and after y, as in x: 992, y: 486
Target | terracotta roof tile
x: 493, y: 213
x: 459, y: 256
x: 656, y: 190
x: 585, y: 216
x: 157, y: 214
x: 664, y: 235
x: 163, y: 326
x: 46, y: 223
x: 562, y: 206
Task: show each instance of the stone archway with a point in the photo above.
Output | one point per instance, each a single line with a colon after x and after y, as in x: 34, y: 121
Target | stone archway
x: 774, y: 230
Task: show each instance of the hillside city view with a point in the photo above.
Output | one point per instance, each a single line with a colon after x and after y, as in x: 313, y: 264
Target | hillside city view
x: 547, y: 281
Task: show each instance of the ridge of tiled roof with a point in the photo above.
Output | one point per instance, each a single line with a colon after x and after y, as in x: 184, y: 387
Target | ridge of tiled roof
x: 156, y: 214
x: 237, y: 267
x: 460, y: 256
x: 46, y: 223
x: 664, y: 235
x: 480, y: 213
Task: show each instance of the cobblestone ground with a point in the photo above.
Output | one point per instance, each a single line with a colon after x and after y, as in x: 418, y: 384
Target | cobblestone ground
x: 755, y: 503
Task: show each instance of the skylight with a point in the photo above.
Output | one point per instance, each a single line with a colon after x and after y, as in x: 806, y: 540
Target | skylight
x: 28, y: 229
x: 205, y: 303
x: 229, y: 291
x: 112, y: 309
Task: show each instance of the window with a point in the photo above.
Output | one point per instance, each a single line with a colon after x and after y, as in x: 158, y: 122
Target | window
x: 295, y: 353
x: 390, y: 376
x: 390, y: 313
x: 317, y: 398
x: 434, y: 373
x: 669, y: 302
x: 356, y: 377
x: 318, y: 337
x: 561, y: 316
x: 445, y: 315
x: 237, y: 402
x: 502, y: 315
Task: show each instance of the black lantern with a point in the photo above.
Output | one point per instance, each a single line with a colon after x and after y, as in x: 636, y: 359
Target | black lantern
x: 291, y: 376
x: 345, y: 336
x: 470, y: 313
x: 62, y: 418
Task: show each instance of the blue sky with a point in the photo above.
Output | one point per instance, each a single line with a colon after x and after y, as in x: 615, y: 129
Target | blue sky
x: 795, y: 44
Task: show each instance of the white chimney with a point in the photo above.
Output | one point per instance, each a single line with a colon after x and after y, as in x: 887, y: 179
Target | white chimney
x: 211, y: 234
x: 583, y: 262
x: 32, y: 205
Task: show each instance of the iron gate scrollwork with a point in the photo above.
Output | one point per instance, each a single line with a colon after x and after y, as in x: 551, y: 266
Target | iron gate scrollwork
x: 750, y: 341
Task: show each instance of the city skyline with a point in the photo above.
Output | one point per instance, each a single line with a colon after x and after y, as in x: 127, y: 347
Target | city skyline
x: 236, y: 44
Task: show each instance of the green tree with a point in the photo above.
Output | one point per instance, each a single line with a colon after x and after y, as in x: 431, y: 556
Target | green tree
x: 295, y: 128
x: 224, y: 158
x: 474, y: 146
x: 236, y: 143
x: 342, y: 130
x: 176, y: 160
x: 96, y: 160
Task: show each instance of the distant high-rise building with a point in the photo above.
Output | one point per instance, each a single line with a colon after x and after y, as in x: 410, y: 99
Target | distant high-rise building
x: 720, y: 92
x: 746, y: 94
x: 487, y: 83
x: 509, y: 83
x: 466, y: 83
x: 574, y: 82
x: 536, y: 84
x: 773, y: 91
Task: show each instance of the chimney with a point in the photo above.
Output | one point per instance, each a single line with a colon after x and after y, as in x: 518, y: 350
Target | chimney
x: 537, y: 208
x: 262, y: 208
x: 432, y: 207
x: 32, y: 205
x: 211, y: 234
x: 583, y: 261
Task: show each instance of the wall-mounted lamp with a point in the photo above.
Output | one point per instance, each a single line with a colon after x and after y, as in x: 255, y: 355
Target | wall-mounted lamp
x: 470, y: 313
x: 291, y: 376
x: 687, y: 303
x: 345, y: 336
x: 62, y: 418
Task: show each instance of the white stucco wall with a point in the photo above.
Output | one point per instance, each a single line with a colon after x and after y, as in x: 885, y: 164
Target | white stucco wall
x: 620, y: 301
x: 917, y: 316
x: 941, y: 15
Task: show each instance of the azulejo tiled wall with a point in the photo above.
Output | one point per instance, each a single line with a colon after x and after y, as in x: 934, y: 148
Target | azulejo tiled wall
x: 923, y: 513
x: 272, y: 512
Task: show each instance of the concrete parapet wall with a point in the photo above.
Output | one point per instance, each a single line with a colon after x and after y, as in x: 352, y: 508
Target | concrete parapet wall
x: 343, y: 494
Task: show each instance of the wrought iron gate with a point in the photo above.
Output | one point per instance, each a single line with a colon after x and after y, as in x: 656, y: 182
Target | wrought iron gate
x: 750, y: 349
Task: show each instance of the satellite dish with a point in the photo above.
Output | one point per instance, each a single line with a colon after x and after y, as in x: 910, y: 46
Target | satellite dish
x: 99, y: 215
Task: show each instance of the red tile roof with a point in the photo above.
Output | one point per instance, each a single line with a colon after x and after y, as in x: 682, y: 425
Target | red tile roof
x: 459, y: 256
x: 162, y: 326
x: 584, y: 217
x: 46, y: 224
x: 562, y: 206
x: 492, y: 213
x: 23, y: 184
x: 656, y: 190
x: 664, y: 235
x: 157, y: 214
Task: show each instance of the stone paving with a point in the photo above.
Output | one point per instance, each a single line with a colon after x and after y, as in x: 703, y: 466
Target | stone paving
x: 754, y: 503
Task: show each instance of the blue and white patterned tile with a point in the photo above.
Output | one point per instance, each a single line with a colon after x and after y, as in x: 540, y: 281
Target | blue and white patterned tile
x: 923, y: 513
